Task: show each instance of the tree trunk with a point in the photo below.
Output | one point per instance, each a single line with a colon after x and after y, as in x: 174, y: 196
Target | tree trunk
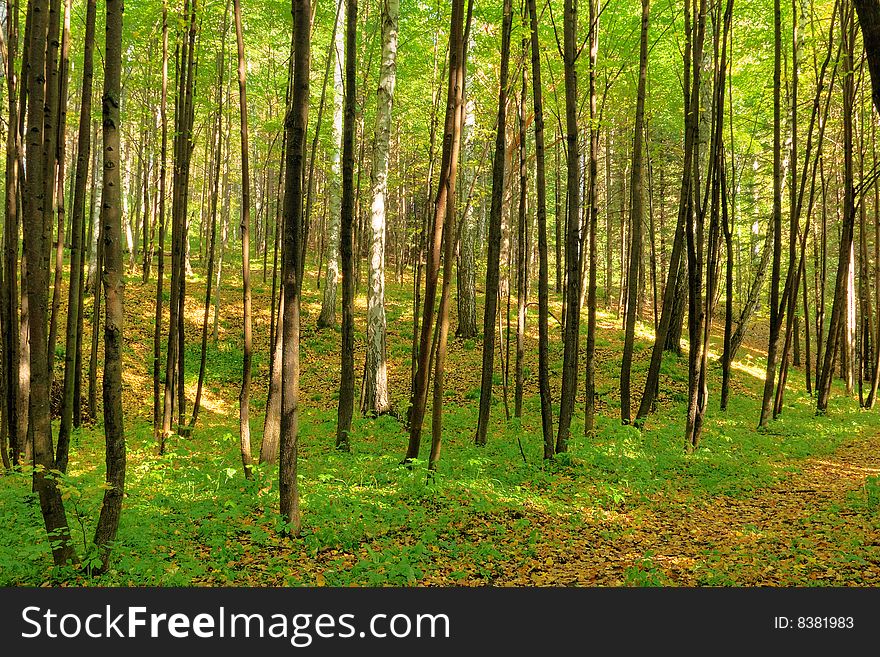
x: 840, y: 305
x: 522, y: 248
x: 56, y: 100
x: 442, y: 204
x: 327, y: 318
x: 543, y: 269
x: 244, y: 396
x: 775, y: 317
x: 490, y: 310
x: 83, y: 158
x: 294, y: 250
x: 160, y: 267
x: 211, y: 231
x: 374, y: 399
x: 636, y: 219
x: 16, y: 415
x: 457, y: 69
x: 345, y: 409
x: 111, y: 218
x: 37, y: 229
x: 572, y: 241
x: 869, y: 19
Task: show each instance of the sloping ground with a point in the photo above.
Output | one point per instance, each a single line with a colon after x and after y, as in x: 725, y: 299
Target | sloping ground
x: 809, y: 528
x: 818, y: 525
x: 796, y: 505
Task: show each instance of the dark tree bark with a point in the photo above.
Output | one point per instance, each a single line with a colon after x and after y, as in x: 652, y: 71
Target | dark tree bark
x: 213, y: 182
x: 111, y: 219
x: 345, y: 409
x: 636, y: 220
x: 694, y: 231
x: 490, y: 309
x: 83, y: 158
x: 10, y: 336
x: 445, y: 196
x: 775, y: 317
x: 37, y: 229
x: 174, y: 363
x: 56, y: 88
x: 294, y: 250
x: 522, y: 248
x: 593, y: 221
x: 244, y: 396
x: 158, y: 426
x: 457, y: 64
x: 543, y: 268
x: 839, y: 307
x: 869, y: 20
x: 572, y: 240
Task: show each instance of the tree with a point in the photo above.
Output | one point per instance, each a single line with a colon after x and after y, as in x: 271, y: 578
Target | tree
x: 327, y: 318
x: 374, y: 399
x: 14, y: 414
x: 83, y: 158
x: 775, y: 310
x: 636, y: 220
x: 490, y: 309
x: 158, y: 416
x: 345, y: 409
x: 37, y: 226
x: 442, y: 205
x: 295, y: 128
x: 839, y: 306
x: 111, y: 218
x: 869, y: 20
x: 572, y: 241
x: 244, y: 395
x: 543, y: 269
x: 593, y: 200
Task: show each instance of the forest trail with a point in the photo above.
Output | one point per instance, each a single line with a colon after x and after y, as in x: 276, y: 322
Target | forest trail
x: 805, y: 529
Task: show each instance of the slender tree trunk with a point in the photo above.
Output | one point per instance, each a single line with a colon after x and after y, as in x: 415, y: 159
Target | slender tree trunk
x: 694, y: 232
x: 37, y: 230
x: 522, y: 248
x: 345, y: 410
x: 445, y: 196
x: 211, y: 231
x: 244, y: 397
x: 83, y: 158
x: 16, y: 415
x: 543, y: 269
x: 593, y: 200
x: 111, y: 218
x: 458, y: 67
x: 636, y: 220
x: 374, y: 399
x: 775, y: 319
x: 572, y: 257
x: 327, y: 318
x: 490, y: 310
x: 158, y: 426
x: 294, y: 250
x: 839, y: 307
x: 56, y: 98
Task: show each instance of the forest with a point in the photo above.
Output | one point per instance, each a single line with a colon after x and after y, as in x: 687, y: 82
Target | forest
x: 440, y: 293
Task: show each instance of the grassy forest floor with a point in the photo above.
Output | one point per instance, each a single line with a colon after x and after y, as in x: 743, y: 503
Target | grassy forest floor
x: 798, y: 504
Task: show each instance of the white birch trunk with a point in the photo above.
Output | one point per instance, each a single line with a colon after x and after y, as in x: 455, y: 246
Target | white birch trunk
x: 328, y: 308
x: 375, y: 394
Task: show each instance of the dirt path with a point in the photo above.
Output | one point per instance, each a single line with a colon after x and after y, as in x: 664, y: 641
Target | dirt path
x: 808, y: 529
